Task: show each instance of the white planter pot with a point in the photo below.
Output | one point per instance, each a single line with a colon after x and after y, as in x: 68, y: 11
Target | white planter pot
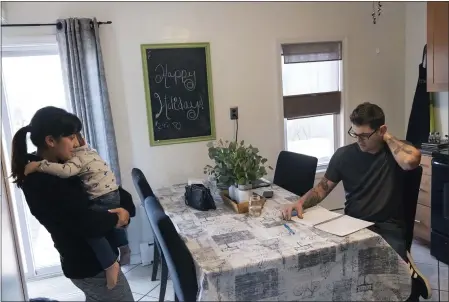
x: 243, y: 193
x: 232, y: 192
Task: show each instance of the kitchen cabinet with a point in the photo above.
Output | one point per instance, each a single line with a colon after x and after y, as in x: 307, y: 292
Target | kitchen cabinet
x: 437, y: 46
x: 422, y: 218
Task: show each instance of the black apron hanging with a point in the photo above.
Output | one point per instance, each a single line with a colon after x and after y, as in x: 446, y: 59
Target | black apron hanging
x: 419, y: 121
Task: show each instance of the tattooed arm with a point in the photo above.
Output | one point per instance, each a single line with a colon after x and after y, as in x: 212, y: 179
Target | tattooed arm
x: 317, y: 194
x: 407, y: 156
x: 311, y: 198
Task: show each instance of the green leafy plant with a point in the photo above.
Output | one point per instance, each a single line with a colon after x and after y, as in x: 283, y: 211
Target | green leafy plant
x: 221, y: 153
x: 235, y: 163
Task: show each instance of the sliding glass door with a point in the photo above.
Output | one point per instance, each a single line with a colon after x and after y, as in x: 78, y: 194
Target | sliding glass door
x: 31, y: 79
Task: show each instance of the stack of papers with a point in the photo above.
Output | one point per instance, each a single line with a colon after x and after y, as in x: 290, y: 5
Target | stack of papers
x: 331, y: 222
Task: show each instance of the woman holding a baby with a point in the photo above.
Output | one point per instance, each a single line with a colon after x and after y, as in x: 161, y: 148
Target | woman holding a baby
x: 73, y: 193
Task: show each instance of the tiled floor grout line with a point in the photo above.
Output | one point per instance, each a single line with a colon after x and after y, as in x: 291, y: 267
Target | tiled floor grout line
x: 143, y: 295
x: 159, y: 283
x: 136, y: 265
x: 153, y: 289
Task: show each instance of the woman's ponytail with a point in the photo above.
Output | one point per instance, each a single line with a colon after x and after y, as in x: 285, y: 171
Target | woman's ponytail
x: 19, y: 155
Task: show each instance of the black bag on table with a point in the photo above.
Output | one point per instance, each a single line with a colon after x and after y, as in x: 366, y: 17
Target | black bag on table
x: 199, y: 197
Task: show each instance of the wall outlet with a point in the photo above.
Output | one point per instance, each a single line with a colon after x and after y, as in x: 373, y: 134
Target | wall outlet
x: 234, y: 113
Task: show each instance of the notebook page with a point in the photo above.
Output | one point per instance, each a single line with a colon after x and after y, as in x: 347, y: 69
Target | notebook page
x: 316, y: 215
x: 343, y: 226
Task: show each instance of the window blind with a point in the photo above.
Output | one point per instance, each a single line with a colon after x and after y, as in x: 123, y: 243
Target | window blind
x: 311, y: 52
x: 307, y: 105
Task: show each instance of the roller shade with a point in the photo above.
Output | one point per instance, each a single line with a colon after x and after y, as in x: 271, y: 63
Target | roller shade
x: 306, y: 105
x: 311, y: 52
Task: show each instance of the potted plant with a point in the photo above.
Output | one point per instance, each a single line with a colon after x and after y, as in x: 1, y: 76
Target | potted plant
x: 221, y: 153
x: 249, y: 166
x: 236, y: 167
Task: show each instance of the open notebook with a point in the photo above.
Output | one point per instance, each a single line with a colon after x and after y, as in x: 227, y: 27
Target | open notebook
x: 331, y: 222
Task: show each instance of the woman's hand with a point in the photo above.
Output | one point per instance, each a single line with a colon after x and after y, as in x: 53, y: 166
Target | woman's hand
x: 123, y: 216
x: 31, y: 167
x: 287, y: 211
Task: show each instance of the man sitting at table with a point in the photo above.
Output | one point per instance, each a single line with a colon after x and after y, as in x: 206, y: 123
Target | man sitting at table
x: 371, y: 173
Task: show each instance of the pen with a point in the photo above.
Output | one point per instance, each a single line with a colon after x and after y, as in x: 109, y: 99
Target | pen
x: 289, y: 229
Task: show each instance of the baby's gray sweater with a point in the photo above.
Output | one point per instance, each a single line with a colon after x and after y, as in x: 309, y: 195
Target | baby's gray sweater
x: 95, y: 173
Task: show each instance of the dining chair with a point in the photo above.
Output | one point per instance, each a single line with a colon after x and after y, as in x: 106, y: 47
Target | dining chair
x: 176, y: 254
x: 144, y: 190
x: 152, y: 204
x: 295, y: 172
x: 411, y: 187
x: 140, y: 182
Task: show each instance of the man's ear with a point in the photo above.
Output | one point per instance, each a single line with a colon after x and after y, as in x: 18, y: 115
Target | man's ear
x: 383, y: 129
x: 50, y: 141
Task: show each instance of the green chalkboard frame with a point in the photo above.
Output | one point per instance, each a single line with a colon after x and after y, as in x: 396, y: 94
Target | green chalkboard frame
x: 205, y: 45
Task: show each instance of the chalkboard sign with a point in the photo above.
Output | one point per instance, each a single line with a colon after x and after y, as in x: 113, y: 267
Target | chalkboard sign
x: 178, y: 90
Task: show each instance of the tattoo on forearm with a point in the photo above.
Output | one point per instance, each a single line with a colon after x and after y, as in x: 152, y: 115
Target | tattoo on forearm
x: 323, y: 185
x: 397, y: 146
x: 406, y: 148
x: 317, y: 194
x: 312, y: 199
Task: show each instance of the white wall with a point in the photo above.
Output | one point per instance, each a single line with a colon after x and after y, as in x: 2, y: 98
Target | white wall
x: 245, y: 40
x: 415, y: 39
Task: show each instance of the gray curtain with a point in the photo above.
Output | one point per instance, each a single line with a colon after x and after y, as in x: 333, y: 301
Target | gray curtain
x: 83, y: 68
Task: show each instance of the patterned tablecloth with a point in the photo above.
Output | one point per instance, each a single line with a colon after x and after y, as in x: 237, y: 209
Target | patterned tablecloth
x: 241, y: 258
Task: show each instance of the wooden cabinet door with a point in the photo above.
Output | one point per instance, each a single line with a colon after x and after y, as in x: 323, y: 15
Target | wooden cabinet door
x: 437, y: 46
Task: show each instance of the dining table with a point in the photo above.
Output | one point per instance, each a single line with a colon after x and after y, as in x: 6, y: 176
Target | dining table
x: 243, y: 258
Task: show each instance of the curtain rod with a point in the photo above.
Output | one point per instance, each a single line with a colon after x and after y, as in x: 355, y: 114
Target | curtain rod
x: 58, y: 25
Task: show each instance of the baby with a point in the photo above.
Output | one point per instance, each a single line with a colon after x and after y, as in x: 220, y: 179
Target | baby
x: 102, y: 189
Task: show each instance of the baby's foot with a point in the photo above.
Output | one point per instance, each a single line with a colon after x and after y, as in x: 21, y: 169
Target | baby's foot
x: 112, y: 275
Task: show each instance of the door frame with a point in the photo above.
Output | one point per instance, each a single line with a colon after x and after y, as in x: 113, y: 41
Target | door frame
x: 7, y: 195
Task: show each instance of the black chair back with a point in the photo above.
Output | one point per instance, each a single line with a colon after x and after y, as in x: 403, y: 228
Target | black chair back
x: 142, y: 186
x: 177, y: 256
x: 295, y: 172
x: 412, y: 182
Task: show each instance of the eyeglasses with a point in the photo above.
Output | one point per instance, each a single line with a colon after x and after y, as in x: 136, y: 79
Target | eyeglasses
x: 362, y: 136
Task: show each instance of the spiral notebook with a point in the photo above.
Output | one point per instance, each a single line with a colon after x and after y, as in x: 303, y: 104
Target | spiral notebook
x: 331, y: 222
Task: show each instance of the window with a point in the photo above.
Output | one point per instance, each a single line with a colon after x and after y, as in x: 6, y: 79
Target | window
x: 313, y: 77
x: 31, y: 79
x: 314, y: 136
x: 311, y: 82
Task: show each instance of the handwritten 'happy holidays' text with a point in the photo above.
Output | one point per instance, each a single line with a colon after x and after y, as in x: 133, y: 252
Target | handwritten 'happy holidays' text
x: 170, y: 103
x: 185, y: 77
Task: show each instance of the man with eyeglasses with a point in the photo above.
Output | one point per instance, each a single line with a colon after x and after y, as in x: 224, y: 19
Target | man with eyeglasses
x: 371, y: 171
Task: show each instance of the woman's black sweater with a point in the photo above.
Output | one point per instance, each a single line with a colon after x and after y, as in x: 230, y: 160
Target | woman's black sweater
x: 62, y: 207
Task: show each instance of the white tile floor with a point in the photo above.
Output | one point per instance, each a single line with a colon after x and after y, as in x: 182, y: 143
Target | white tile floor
x: 139, y: 278
x: 428, y: 265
